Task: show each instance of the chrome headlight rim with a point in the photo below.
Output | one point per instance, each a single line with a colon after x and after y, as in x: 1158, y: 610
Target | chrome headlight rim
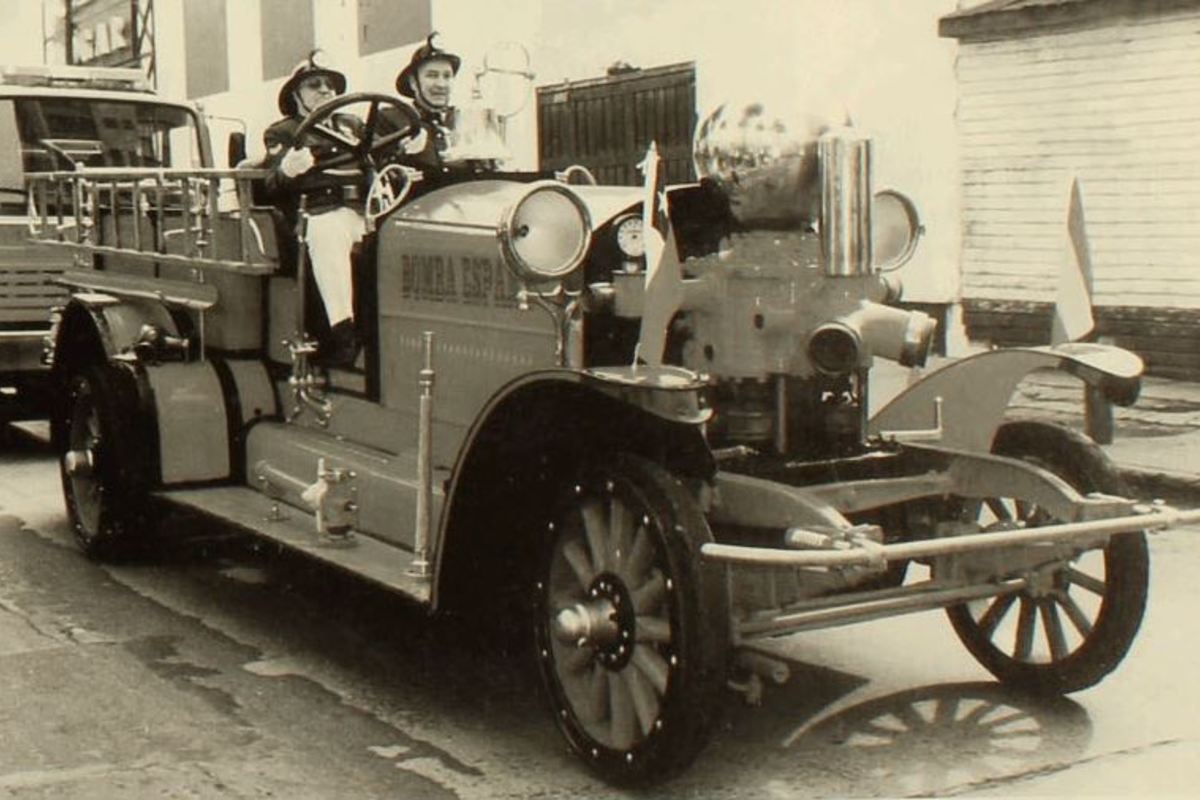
x: 509, y: 233
x: 916, y: 228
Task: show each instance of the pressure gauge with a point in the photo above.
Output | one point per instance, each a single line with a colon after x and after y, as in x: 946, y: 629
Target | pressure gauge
x: 629, y: 236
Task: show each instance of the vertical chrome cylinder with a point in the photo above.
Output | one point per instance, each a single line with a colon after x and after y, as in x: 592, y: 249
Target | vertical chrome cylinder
x: 420, y: 562
x: 845, y: 164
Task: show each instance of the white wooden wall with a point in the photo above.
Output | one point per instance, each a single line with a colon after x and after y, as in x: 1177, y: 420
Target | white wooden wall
x: 1115, y: 102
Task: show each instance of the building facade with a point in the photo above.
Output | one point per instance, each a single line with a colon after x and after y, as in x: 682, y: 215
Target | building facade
x: 1106, y: 92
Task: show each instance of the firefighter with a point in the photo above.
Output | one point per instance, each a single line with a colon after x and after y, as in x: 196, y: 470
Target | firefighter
x: 332, y: 201
x: 426, y: 80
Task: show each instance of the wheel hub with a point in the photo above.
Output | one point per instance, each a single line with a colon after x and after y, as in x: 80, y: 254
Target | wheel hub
x: 605, y: 621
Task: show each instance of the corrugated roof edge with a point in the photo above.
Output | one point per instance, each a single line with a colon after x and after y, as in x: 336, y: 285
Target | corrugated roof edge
x: 1013, y: 16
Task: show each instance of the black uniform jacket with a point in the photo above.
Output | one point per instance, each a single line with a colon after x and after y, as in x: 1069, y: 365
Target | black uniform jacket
x: 322, y: 191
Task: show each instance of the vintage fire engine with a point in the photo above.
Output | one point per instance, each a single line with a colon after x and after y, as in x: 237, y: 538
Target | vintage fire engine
x: 499, y: 438
x: 52, y: 118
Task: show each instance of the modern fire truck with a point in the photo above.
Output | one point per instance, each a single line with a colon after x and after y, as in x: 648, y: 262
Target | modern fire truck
x: 501, y: 438
x: 63, y: 118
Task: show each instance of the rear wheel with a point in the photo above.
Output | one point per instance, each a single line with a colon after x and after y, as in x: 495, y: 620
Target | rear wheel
x: 1076, y: 620
x: 98, y: 450
x: 632, y: 629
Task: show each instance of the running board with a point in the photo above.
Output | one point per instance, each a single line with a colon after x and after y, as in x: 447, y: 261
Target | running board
x: 385, y: 564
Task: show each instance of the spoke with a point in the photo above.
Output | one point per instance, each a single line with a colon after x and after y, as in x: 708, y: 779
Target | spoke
x: 1007, y: 719
x: 620, y: 524
x: 1054, y: 630
x: 597, y: 694
x: 1026, y: 511
x: 641, y: 554
x: 945, y: 711
x: 975, y: 715
x: 576, y: 658
x: 649, y: 596
x: 653, y: 629
x: 596, y: 530
x: 873, y: 728
x: 999, y: 508
x: 1092, y: 584
x: 573, y: 553
x: 652, y: 665
x: 369, y: 127
x: 1025, y: 630
x: 645, y: 702
x: 622, y: 713
x: 335, y: 136
x: 1076, y: 614
x: 910, y: 718
x: 995, y: 613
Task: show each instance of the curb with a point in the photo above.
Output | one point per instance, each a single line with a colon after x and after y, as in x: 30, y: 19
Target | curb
x: 1173, y: 488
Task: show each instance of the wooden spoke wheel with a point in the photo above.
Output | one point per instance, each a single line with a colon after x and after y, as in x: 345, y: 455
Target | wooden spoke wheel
x: 632, y: 630
x: 1077, y: 618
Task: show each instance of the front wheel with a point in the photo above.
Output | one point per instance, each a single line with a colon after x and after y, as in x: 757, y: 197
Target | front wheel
x: 632, y: 629
x: 98, y: 461
x: 1076, y: 620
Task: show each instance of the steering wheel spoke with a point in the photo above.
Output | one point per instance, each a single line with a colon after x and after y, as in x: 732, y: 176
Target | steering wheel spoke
x: 371, y: 142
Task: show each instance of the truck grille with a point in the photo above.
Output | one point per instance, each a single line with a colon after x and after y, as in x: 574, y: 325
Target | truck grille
x: 27, y: 294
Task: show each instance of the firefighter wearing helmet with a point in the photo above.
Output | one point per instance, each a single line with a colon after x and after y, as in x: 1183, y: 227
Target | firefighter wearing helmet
x: 426, y: 80
x: 332, y: 200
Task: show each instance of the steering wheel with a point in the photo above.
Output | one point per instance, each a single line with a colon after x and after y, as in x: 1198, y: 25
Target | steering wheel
x: 364, y: 151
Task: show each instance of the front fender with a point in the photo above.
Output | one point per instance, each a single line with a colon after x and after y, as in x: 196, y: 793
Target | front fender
x: 535, y: 434
x: 97, y: 326
x: 975, y: 391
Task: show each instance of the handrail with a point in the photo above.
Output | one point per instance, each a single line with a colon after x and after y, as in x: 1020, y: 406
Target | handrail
x: 65, y: 210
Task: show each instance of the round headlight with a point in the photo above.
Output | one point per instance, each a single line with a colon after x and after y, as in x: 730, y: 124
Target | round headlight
x: 547, y: 233
x: 896, y: 229
x: 629, y: 236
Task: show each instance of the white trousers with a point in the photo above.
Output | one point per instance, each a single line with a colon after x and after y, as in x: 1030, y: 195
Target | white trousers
x: 330, y: 236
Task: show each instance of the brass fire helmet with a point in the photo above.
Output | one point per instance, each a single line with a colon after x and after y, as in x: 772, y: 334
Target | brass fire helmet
x: 765, y: 161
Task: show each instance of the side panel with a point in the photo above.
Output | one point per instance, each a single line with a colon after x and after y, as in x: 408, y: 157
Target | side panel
x: 193, y: 425
x: 468, y: 298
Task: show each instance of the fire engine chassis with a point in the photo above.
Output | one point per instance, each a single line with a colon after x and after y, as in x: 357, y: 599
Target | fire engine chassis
x: 657, y: 521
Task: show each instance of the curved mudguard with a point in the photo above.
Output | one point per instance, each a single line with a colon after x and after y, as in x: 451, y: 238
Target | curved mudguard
x: 975, y: 391
x: 660, y: 405
x: 93, y: 318
x: 194, y: 411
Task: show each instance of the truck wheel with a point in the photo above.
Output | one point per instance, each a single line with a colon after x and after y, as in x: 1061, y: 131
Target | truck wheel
x: 631, y: 628
x: 1075, y: 623
x: 104, y: 504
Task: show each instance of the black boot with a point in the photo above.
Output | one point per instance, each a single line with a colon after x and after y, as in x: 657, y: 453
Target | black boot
x: 341, y: 348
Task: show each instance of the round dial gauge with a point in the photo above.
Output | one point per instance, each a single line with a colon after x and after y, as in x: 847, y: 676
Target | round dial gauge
x: 629, y: 237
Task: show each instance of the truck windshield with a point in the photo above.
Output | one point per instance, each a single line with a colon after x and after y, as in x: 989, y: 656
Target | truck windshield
x: 96, y: 133
x: 62, y: 133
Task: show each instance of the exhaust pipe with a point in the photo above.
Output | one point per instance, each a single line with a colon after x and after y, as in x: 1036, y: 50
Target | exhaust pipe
x: 845, y: 164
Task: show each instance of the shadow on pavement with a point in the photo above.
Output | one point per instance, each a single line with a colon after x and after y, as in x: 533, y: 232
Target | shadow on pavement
x: 946, y: 737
